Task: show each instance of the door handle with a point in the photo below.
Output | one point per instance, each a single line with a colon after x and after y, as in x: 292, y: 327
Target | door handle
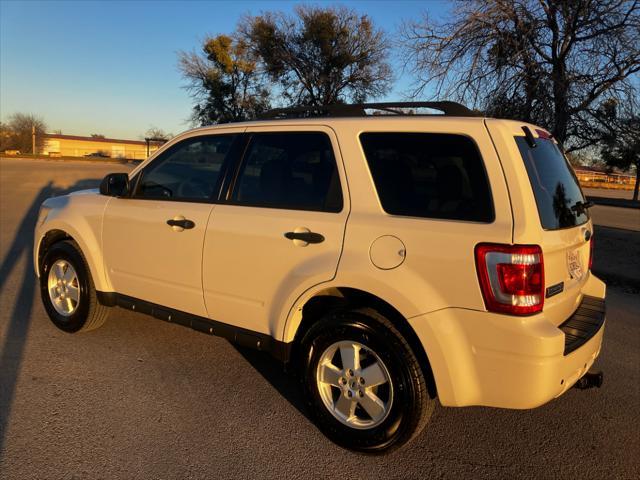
x: 307, y: 237
x: 180, y: 223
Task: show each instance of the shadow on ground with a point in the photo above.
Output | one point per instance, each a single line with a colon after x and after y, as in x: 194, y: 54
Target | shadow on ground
x: 286, y: 383
x: 20, y: 318
x: 616, y: 258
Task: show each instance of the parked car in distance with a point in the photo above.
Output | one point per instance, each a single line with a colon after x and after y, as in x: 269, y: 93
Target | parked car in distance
x: 98, y: 154
x: 389, y: 260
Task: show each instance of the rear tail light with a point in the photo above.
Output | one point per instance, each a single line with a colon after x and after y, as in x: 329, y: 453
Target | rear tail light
x: 511, y: 278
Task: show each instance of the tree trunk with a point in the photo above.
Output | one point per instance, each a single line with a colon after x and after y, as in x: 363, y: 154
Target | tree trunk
x: 560, y: 101
x: 635, y: 189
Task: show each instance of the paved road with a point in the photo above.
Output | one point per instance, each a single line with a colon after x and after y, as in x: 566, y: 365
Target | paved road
x: 616, y: 217
x: 140, y: 398
x: 608, y: 193
x: 613, y: 216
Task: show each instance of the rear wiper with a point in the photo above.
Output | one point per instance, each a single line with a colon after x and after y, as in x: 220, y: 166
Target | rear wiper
x: 531, y: 140
x: 581, y: 207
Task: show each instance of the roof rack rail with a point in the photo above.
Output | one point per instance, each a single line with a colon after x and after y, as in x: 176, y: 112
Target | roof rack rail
x: 359, y: 110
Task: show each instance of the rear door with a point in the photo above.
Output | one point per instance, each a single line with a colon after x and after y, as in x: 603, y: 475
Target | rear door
x: 549, y: 210
x: 280, y: 230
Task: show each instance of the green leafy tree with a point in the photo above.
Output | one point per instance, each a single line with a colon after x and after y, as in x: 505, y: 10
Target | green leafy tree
x: 320, y: 55
x: 224, y: 82
x: 546, y: 61
x: 17, y: 133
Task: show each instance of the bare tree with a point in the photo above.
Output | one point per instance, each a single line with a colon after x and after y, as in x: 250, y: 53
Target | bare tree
x: 17, y: 133
x: 550, y: 62
x: 223, y: 81
x: 321, y: 55
x: 155, y: 133
x: 6, y: 135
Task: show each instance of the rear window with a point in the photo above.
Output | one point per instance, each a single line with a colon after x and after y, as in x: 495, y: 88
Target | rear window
x: 429, y: 175
x: 554, y: 185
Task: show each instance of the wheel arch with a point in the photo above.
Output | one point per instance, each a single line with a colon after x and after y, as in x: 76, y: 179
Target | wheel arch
x: 45, y: 243
x: 325, y: 300
x: 89, y: 249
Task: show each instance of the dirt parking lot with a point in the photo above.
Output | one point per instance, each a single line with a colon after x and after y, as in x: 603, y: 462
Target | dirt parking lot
x: 140, y: 398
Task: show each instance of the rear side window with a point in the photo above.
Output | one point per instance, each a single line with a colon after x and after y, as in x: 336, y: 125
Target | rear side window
x: 554, y: 185
x: 295, y: 171
x: 429, y: 175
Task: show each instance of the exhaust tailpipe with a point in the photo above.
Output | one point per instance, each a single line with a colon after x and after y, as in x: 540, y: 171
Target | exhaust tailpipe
x: 590, y: 380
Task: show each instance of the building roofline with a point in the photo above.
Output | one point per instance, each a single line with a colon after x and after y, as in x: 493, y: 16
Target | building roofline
x: 95, y: 139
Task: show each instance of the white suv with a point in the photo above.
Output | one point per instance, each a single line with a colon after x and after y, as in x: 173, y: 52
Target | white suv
x: 388, y: 259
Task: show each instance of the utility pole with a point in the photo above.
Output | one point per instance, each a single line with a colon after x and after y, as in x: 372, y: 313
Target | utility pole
x: 33, y: 139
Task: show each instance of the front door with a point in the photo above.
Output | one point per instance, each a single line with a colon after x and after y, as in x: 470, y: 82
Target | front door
x: 281, y: 230
x: 153, y: 240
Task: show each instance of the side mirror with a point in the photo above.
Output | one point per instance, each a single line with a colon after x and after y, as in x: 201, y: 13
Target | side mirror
x: 115, y: 185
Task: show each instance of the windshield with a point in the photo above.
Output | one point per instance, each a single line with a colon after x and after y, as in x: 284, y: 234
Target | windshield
x: 555, y: 186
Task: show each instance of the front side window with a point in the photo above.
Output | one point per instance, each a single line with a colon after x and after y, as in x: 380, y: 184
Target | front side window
x: 189, y: 170
x: 295, y: 170
x: 429, y: 175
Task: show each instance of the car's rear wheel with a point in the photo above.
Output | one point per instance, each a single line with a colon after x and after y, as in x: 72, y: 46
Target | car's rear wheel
x: 362, y: 382
x: 67, y: 289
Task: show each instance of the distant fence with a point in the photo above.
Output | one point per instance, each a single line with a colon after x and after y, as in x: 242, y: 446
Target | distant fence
x: 587, y: 176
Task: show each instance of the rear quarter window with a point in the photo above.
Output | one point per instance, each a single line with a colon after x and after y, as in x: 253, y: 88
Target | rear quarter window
x: 429, y: 175
x: 554, y: 184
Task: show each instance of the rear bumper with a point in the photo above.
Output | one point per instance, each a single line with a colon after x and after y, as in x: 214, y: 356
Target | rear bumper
x: 481, y: 358
x: 585, y: 322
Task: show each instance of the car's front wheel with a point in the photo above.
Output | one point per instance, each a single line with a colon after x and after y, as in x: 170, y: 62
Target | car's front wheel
x: 362, y: 382
x: 67, y: 289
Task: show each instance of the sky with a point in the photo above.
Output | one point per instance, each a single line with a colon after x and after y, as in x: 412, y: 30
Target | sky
x: 110, y: 67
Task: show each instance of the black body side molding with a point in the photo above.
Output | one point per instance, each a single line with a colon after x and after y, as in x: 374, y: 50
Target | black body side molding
x: 246, y: 338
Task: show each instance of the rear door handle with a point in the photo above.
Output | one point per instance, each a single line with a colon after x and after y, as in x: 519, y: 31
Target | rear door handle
x: 306, y: 237
x: 179, y: 223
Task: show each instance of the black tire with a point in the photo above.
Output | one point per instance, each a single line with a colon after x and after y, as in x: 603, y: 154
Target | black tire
x: 411, y: 408
x: 89, y: 313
